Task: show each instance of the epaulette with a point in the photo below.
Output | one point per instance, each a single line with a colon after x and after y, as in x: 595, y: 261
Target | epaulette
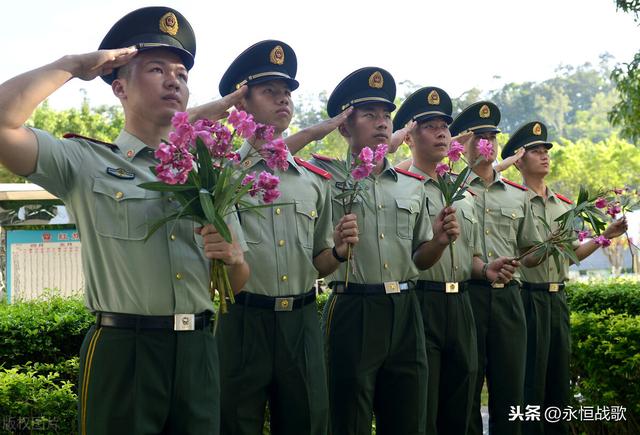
x: 313, y: 168
x: 323, y: 158
x: 564, y: 198
x: 409, y: 174
x: 470, y: 192
x: 90, y: 139
x: 514, y: 184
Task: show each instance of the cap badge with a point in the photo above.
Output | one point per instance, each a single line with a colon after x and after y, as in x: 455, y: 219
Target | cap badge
x: 376, y: 80
x: 169, y: 24
x: 433, y: 98
x: 485, y: 112
x: 277, y: 55
x: 537, y: 129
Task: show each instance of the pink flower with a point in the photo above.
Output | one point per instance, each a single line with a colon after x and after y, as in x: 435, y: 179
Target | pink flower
x: 381, y: 151
x: 441, y: 169
x: 276, y: 153
x: 618, y: 191
x: 366, y: 155
x: 455, y: 151
x: 268, y: 185
x: 362, y: 171
x: 179, y: 118
x: 601, y: 203
x: 175, y: 164
x: 613, y: 210
x: 602, y: 241
x: 264, y: 132
x: 583, y: 235
x: 243, y: 123
x: 485, y: 148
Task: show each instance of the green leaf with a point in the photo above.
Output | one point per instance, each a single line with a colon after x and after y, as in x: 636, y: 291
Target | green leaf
x: 205, y: 170
x: 213, y: 216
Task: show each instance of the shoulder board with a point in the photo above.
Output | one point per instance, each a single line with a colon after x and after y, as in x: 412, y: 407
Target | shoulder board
x: 323, y: 158
x: 313, y: 168
x: 409, y: 174
x: 564, y: 198
x: 470, y: 192
x: 514, y: 184
x: 90, y: 139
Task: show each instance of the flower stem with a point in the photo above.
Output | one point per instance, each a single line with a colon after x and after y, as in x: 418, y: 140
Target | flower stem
x: 346, y: 278
x: 453, y: 273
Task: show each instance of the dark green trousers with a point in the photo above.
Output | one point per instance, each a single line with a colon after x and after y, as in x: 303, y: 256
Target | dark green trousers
x: 548, y: 349
x: 452, y: 354
x: 502, y: 343
x: 376, y: 364
x: 276, y: 357
x: 148, y: 382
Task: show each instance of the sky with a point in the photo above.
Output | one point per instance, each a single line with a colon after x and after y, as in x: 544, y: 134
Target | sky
x: 455, y: 45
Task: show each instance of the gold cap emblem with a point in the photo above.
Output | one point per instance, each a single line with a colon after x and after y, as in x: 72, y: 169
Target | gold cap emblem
x: 169, y: 24
x: 376, y: 80
x: 485, y: 112
x: 277, y: 55
x: 537, y: 129
x: 433, y: 98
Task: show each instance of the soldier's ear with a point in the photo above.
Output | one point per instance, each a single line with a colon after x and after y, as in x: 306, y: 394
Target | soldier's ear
x: 119, y: 89
x: 344, y: 131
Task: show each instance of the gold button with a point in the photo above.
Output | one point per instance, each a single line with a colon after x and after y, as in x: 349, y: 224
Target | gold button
x: 382, y: 235
x: 278, y: 211
x: 490, y: 254
x: 284, y: 303
x: 119, y: 195
x: 313, y: 213
x: 178, y: 275
x: 386, y: 265
x: 376, y: 181
x: 486, y: 190
x: 380, y: 206
x: 284, y: 277
x: 172, y: 236
x: 246, y: 163
x: 488, y: 210
x: 513, y: 215
x: 486, y: 231
x: 281, y: 243
x: 456, y: 267
x: 453, y: 243
x: 130, y: 153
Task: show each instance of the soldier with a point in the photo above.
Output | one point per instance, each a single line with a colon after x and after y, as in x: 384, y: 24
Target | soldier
x: 545, y: 302
x: 271, y: 343
x: 442, y: 289
x: 508, y: 226
x: 150, y: 363
x: 374, y: 336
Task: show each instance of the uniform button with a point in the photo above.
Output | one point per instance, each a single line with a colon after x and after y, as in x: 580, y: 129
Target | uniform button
x: 386, y: 265
x: 453, y: 243
x: 380, y: 206
x: 281, y: 243
x: 246, y: 163
x: 376, y: 181
x: 456, y: 267
x: 172, y: 236
x: 178, y: 276
x: 382, y: 235
x: 130, y: 153
x: 513, y: 215
x: 119, y: 195
x: 486, y: 190
x: 486, y: 231
x: 488, y: 210
x: 278, y: 211
x: 313, y: 213
x: 284, y: 277
x: 490, y: 254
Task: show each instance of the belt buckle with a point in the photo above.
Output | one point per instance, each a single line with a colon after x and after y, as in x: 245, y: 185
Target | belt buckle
x: 184, y: 322
x: 497, y: 285
x: 283, y: 304
x: 391, y: 287
x: 451, y: 287
x: 554, y: 287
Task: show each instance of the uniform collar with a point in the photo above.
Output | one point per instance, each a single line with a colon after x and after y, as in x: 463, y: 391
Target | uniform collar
x: 551, y: 195
x: 388, y: 167
x: 130, y: 145
x: 497, y: 179
x: 419, y: 171
x: 249, y: 157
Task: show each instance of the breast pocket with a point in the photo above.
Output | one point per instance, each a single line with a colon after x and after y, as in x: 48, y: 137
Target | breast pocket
x: 510, y: 221
x: 468, y: 224
x: 306, y: 215
x: 121, y: 209
x: 406, y: 215
x: 252, y: 222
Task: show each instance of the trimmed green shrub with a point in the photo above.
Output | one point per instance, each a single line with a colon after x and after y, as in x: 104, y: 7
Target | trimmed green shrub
x: 620, y: 296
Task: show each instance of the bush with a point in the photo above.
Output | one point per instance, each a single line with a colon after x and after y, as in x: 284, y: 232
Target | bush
x: 605, y: 367
x: 619, y: 296
x: 47, y: 331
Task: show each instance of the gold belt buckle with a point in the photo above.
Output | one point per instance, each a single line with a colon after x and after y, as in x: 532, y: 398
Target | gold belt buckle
x: 283, y: 304
x: 184, y: 322
x: 451, y: 287
x: 554, y: 287
x: 391, y: 287
x: 497, y: 285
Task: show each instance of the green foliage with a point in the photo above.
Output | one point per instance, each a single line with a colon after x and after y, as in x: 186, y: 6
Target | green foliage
x: 618, y: 296
x: 605, y: 366
x: 47, y: 331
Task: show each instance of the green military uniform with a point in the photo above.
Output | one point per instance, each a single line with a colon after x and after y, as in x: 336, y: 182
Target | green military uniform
x: 150, y: 363
x: 271, y: 346
x: 450, y: 330
x: 507, y: 224
x: 545, y: 303
x: 373, y: 332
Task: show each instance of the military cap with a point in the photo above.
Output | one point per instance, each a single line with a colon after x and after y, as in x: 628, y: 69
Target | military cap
x: 263, y: 61
x: 480, y: 117
x: 529, y: 135
x: 152, y: 27
x: 424, y: 104
x: 364, y: 86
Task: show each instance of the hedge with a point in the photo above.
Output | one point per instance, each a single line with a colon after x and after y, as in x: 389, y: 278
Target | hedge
x: 619, y: 296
